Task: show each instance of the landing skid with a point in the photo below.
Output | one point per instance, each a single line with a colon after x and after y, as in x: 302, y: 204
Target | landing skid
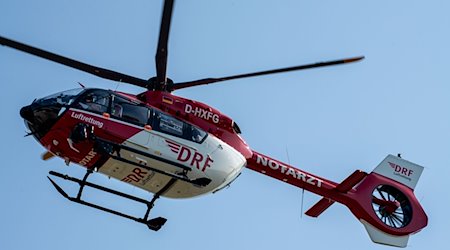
x: 153, y: 224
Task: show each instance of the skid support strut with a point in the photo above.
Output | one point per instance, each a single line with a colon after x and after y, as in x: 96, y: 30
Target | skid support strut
x: 153, y: 224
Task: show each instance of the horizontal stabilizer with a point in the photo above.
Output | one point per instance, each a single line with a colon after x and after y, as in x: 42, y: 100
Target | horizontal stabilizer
x: 319, y: 207
x: 342, y: 187
x: 351, y: 181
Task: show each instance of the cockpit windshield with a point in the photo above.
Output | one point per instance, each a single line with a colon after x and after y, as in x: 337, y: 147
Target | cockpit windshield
x: 42, y: 114
x: 62, y: 98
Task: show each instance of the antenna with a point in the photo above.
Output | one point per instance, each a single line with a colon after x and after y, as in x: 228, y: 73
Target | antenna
x: 287, y: 154
x: 303, y: 190
x: 117, y: 86
x: 301, y: 208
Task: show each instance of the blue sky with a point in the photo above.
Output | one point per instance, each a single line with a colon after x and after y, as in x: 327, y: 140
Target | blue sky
x: 330, y: 120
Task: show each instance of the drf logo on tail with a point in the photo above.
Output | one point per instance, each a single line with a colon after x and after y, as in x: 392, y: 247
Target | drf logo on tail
x: 403, y: 171
x: 190, y: 156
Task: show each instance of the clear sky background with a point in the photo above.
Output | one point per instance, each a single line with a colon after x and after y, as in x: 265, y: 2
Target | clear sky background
x: 330, y: 120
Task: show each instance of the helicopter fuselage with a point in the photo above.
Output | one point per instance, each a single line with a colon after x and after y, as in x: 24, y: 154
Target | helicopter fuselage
x: 154, y: 146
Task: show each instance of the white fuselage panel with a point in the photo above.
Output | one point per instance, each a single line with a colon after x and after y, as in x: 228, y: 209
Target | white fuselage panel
x: 212, y: 159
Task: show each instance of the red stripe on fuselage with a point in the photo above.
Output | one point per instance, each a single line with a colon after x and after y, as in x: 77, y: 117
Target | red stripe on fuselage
x: 174, y: 147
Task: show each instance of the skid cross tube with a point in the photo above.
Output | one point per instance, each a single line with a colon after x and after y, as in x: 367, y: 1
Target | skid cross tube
x: 153, y: 224
x: 83, y: 182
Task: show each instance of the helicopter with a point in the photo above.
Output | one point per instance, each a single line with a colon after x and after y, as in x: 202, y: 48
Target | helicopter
x: 180, y: 148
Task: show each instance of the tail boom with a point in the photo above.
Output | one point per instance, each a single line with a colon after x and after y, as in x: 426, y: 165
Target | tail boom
x: 383, y: 200
x: 331, y: 191
x: 294, y: 176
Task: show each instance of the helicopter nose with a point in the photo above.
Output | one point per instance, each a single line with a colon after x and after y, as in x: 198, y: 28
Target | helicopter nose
x: 27, y: 113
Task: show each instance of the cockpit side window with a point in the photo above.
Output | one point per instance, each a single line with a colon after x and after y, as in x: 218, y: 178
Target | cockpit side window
x: 96, y: 101
x: 129, y: 111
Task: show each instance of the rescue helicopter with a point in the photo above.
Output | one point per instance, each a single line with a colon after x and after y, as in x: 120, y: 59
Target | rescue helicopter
x: 180, y: 148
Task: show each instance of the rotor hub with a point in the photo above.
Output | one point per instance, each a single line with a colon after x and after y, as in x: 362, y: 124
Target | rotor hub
x: 155, y: 84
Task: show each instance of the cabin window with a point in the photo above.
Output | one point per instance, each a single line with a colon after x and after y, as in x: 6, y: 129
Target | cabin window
x: 197, y: 135
x: 170, y: 125
x: 129, y: 111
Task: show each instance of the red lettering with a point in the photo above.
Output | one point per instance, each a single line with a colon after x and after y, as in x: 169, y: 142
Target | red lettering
x: 197, y: 159
x: 136, y: 175
x: 207, y: 163
x: 133, y: 177
x: 184, y: 154
x: 404, y: 171
x: 401, y: 170
x: 126, y: 180
x: 139, y: 172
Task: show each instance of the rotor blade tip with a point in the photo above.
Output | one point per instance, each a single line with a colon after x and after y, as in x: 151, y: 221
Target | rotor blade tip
x: 354, y: 59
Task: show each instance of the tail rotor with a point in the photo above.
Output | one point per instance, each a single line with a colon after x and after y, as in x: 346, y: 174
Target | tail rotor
x: 391, y: 206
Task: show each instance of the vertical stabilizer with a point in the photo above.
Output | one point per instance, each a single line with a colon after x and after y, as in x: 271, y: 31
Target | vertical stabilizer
x: 400, y: 170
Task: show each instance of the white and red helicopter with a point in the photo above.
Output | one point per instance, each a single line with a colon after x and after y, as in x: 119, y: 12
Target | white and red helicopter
x: 180, y: 148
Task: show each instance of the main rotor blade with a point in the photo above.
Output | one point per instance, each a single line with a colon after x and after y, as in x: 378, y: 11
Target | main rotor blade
x: 267, y: 72
x: 161, y: 52
x: 100, y: 72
